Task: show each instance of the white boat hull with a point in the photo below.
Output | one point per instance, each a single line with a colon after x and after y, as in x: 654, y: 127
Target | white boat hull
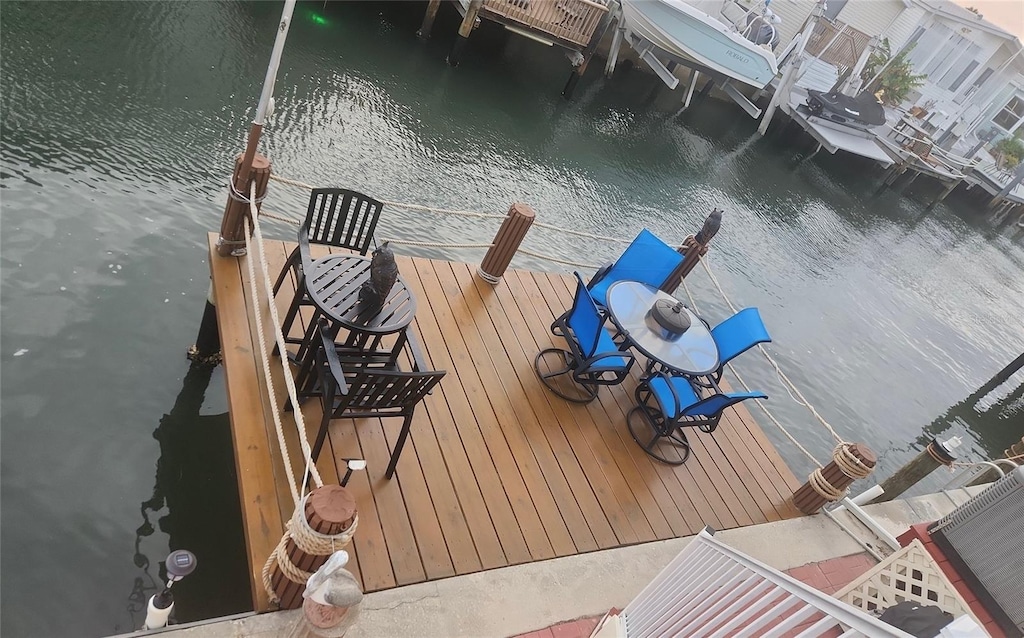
x: 687, y: 32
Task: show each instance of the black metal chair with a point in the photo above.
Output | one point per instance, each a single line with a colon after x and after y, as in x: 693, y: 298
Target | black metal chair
x: 336, y: 217
x: 355, y: 384
x: 592, y: 359
x: 669, y: 404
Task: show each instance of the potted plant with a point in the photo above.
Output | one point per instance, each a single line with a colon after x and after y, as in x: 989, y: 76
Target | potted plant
x: 897, y: 80
x: 1009, y: 152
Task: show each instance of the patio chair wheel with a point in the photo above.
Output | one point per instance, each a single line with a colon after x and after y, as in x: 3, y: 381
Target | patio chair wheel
x: 668, y: 446
x: 556, y: 373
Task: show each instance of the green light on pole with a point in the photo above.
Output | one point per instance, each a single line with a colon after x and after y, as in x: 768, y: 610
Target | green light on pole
x: 318, y: 19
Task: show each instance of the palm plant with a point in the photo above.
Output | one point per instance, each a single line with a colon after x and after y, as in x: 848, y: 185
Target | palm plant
x: 897, y: 79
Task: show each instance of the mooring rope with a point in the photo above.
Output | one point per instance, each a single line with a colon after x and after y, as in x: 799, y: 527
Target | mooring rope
x: 306, y: 539
x: 293, y: 394
x: 791, y: 387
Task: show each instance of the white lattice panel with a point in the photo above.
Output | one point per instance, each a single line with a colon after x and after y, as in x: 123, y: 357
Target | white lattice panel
x: 909, y: 574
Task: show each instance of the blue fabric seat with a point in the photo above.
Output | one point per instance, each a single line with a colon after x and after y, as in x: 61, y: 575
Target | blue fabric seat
x: 647, y: 260
x: 592, y: 359
x: 667, y: 403
x: 737, y: 334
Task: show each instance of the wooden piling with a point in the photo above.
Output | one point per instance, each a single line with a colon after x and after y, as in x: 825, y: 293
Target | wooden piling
x: 809, y: 498
x: 1000, y: 377
x: 694, y: 247
x: 934, y: 456
x: 232, y: 234
x: 506, y: 242
x: 428, y: 20
x: 466, y: 28
x: 588, y: 53
x: 330, y: 510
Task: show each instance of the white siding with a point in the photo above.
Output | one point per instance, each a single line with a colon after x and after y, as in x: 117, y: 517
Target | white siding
x: 870, y: 16
x: 793, y: 14
x: 934, y: 97
x: 903, y: 28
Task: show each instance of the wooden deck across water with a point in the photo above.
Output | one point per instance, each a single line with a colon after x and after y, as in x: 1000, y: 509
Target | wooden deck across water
x: 498, y: 471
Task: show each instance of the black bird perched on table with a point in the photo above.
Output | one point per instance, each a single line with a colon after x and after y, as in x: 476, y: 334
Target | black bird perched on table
x: 383, y: 274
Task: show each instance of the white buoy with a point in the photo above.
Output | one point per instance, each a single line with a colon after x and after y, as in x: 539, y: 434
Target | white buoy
x: 156, y: 617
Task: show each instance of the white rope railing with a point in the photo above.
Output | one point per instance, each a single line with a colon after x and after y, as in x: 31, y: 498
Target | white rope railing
x: 556, y: 260
x: 580, y: 233
x: 791, y: 387
x: 760, y: 404
x: 310, y: 467
x: 420, y: 207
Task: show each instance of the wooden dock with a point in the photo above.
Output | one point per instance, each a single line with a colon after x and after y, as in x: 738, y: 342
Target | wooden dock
x: 498, y: 471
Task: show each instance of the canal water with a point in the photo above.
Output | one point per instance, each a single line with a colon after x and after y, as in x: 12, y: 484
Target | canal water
x: 119, y: 122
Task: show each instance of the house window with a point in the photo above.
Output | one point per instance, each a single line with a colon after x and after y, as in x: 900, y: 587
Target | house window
x: 833, y: 7
x: 1010, y: 116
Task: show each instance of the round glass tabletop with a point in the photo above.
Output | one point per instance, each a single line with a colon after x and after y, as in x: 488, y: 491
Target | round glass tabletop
x: 693, y: 352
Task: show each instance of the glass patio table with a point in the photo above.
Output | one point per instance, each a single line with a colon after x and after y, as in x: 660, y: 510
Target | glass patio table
x: 691, y: 353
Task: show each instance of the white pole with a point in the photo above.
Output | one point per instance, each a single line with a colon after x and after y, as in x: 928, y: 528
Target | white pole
x: 275, y: 62
x: 231, y: 225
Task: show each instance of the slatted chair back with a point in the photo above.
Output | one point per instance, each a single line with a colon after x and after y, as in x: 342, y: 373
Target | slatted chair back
x: 370, y: 388
x: 647, y: 259
x: 739, y: 333
x: 585, y: 320
x: 341, y: 218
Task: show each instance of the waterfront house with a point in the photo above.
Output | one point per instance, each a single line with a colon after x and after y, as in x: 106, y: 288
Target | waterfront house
x: 974, y: 89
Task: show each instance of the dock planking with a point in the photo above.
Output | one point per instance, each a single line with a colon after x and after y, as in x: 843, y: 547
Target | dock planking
x: 497, y: 471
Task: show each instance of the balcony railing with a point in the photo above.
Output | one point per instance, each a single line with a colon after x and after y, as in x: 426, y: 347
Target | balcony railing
x: 572, y: 21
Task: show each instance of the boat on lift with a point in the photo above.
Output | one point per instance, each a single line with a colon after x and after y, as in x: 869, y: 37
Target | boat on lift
x: 740, y: 49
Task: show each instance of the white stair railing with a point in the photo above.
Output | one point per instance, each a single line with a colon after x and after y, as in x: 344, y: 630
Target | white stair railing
x: 711, y: 590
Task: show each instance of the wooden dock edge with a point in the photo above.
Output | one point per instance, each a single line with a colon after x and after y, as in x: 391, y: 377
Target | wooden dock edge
x: 261, y: 517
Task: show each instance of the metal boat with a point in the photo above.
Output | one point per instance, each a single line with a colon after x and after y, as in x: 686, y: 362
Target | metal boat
x: 684, y: 30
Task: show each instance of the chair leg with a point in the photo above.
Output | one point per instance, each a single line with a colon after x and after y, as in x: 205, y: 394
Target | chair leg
x: 288, y: 265
x: 404, y: 434
x: 563, y: 367
x: 293, y: 310
x: 321, y: 434
x: 660, y: 431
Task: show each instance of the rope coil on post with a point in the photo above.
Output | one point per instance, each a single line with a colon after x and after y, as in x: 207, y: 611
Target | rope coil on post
x: 309, y: 541
x: 825, y: 489
x: 849, y: 463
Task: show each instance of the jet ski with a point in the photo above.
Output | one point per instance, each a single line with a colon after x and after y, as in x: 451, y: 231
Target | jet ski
x: 863, y: 112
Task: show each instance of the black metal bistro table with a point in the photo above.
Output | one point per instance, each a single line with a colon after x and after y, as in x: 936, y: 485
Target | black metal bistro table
x: 333, y: 285
x: 691, y: 353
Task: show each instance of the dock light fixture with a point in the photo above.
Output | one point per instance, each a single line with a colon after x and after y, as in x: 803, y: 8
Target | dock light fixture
x: 180, y: 563
x: 352, y: 465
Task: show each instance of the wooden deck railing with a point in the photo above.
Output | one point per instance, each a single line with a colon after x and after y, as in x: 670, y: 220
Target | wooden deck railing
x: 844, y: 50
x: 572, y: 21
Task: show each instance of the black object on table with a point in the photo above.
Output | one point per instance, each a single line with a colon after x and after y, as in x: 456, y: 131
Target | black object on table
x: 692, y: 352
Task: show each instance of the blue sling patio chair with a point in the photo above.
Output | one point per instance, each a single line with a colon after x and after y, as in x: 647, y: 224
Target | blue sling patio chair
x: 592, y: 359
x: 647, y: 260
x: 736, y: 335
x: 666, y: 404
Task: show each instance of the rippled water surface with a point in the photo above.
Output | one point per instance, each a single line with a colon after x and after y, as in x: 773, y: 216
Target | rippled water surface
x: 119, y: 121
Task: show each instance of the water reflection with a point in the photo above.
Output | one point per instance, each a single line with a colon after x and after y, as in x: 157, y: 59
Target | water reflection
x: 195, y: 501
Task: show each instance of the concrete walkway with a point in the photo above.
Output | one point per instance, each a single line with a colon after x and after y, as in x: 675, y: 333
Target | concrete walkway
x: 523, y: 598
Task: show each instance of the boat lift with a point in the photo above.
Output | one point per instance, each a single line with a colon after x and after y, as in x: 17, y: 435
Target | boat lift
x: 652, y: 55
